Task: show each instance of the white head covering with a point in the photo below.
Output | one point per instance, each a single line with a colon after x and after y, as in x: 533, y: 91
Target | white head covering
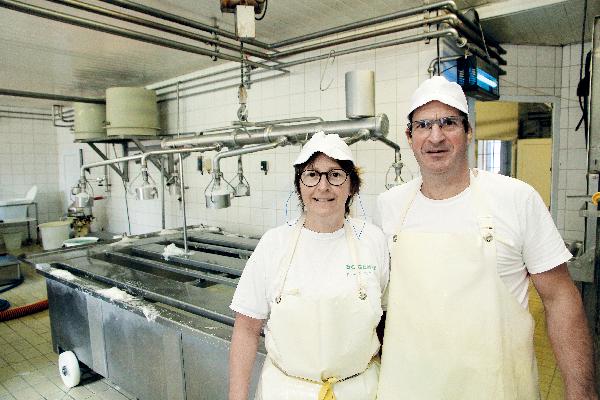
x: 440, y: 89
x: 331, y: 145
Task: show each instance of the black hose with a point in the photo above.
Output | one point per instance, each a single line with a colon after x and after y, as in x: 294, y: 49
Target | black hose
x: 11, y: 285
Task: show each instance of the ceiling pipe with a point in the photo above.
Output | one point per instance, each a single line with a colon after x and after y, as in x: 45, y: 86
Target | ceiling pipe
x: 366, y: 35
x: 49, y: 96
x: 130, y: 5
x: 451, y: 19
x: 448, y: 32
x: 115, y: 30
x: 451, y: 5
x: 361, y: 24
x: 155, y: 25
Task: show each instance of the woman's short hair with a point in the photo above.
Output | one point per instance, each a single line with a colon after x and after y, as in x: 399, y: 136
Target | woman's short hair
x: 347, y: 165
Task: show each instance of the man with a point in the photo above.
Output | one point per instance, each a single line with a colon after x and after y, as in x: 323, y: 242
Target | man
x: 464, y: 244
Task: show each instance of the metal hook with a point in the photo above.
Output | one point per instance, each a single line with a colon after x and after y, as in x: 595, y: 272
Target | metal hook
x: 327, y: 63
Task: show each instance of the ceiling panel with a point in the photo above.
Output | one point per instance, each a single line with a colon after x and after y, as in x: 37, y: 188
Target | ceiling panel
x: 46, y: 56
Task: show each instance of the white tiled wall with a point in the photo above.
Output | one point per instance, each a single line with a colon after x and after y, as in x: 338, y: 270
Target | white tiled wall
x: 398, y: 72
x: 573, y: 147
x: 531, y: 71
x: 28, y: 156
x: 548, y: 71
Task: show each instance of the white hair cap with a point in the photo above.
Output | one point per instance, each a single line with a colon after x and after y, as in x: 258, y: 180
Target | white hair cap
x: 331, y: 145
x: 440, y: 89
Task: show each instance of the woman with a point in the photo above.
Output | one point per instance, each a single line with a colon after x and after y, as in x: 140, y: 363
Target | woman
x: 318, y: 285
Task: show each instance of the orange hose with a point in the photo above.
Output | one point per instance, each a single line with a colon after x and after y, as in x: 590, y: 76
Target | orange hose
x: 22, y: 311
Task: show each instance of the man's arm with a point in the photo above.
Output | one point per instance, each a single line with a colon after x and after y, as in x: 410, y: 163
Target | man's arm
x: 568, y: 331
x: 244, y: 343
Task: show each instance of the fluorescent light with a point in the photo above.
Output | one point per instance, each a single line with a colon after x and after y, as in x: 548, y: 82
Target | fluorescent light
x: 509, y: 7
x: 482, y: 78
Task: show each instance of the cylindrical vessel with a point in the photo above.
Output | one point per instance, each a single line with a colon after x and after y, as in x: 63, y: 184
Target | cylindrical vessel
x: 131, y: 111
x: 89, y: 121
x: 360, y: 94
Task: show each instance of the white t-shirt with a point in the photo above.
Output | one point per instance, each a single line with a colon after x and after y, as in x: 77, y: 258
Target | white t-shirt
x: 322, y: 264
x: 527, y: 239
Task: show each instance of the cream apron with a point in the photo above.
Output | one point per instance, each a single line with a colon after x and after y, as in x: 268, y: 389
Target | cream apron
x: 453, y: 330
x: 318, y: 346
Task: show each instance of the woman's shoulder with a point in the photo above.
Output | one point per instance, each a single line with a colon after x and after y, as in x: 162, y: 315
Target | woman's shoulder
x: 279, y: 233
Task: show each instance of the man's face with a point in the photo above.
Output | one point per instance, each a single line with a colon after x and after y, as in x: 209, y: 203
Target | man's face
x: 439, y: 151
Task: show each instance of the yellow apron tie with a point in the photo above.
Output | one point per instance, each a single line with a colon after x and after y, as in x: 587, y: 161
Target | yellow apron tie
x: 326, y: 392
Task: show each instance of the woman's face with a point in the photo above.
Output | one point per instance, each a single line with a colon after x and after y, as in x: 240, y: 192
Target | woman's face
x: 325, y: 200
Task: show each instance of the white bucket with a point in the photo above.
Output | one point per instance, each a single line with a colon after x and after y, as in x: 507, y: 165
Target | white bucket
x: 54, y: 234
x: 12, y: 240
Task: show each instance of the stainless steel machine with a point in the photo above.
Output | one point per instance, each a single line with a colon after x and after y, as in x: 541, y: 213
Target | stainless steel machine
x: 160, y: 329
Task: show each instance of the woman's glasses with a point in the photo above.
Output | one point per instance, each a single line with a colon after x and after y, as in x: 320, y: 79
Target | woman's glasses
x: 335, y: 177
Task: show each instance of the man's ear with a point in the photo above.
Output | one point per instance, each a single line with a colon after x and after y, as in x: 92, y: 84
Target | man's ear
x: 408, y: 136
x: 470, y: 133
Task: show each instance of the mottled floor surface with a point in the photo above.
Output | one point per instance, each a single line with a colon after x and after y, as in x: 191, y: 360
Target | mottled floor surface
x: 28, y: 366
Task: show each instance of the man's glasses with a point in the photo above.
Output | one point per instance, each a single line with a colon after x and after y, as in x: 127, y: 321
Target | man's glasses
x: 335, y: 177
x: 446, y: 124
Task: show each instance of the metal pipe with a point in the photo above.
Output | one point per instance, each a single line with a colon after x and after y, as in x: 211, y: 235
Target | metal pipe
x: 180, y: 20
x: 361, y: 135
x: 182, y: 184
x: 107, y: 162
x: 262, y: 124
x: 389, y: 142
x: 26, y: 113
x: 103, y: 156
x: 362, y: 23
x: 447, y: 18
x: 451, y: 5
x: 409, y: 39
x: 234, y: 85
x: 216, y: 162
x: 475, y: 39
x: 162, y: 191
x: 118, y: 31
x: 378, y: 126
x: 48, y: 96
x: 155, y: 25
x: 437, y: 61
x: 224, y: 79
x: 145, y: 156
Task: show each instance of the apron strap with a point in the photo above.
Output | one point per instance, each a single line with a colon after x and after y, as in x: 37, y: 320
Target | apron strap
x: 326, y: 391
x: 287, y: 261
x: 484, y: 216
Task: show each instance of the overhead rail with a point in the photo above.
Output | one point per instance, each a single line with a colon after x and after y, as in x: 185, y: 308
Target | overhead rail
x: 49, y: 96
x: 158, y: 26
x: 437, y: 20
x: 123, y: 32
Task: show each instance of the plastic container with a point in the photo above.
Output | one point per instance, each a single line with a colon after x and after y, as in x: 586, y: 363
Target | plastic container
x: 54, y: 234
x: 12, y: 240
x: 360, y: 94
x: 131, y: 111
x: 89, y: 121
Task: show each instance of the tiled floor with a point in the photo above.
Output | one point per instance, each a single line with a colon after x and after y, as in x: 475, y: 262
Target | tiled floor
x: 29, y: 371
x: 28, y: 366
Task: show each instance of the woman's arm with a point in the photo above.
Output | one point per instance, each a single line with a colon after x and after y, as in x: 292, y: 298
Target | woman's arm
x: 244, y: 343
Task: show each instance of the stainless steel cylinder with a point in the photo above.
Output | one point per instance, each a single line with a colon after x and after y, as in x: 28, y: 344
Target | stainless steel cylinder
x: 360, y: 94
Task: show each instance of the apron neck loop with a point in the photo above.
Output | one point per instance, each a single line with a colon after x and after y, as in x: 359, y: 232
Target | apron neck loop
x: 287, y: 261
